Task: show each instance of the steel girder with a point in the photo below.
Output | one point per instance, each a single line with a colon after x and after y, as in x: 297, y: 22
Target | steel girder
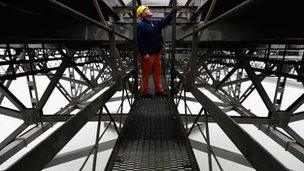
x: 63, y: 134
x: 84, y: 56
x: 257, y: 60
x: 254, y: 152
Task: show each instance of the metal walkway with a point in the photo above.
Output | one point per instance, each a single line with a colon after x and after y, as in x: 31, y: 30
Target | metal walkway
x: 153, y: 138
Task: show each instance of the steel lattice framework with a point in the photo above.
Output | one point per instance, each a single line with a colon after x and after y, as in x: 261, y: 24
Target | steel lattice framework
x: 89, y: 73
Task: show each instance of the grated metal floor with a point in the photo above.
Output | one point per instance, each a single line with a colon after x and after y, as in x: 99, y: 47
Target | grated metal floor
x: 152, y: 139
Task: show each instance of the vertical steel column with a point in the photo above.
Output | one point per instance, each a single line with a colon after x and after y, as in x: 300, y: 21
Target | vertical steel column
x: 92, y: 72
x: 113, y: 56
x: 208, y: 141
x: 193, y: 68
x: 267, y: 54
x: 8, y: 52
x: 114, y: 48
x: 44, y: 55
x: 7, y: 83
x: 218, y: 71
x: 302, y: 67
x: 172, y: 67
x: 227, y: 73
x: 99, y: 11
x: 278, y: 95
x: 31, y: 81
x: 72, y: 82
x: 239, y: 76
x: 122, y: 103
x: 135, y: 61
x: 185, y: 103
x: 96, y: 140
x: 200, y: 33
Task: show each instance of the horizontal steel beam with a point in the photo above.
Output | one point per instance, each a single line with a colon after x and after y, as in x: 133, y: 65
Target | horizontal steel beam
x: 64, y: 118
x: 178, y: 22
x: 190, y: 118
x: 192, y: 99
x: 237, y: 119
x: 156, y: 9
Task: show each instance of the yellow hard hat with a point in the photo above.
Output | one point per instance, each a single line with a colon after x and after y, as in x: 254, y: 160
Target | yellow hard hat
x: 140, y: 9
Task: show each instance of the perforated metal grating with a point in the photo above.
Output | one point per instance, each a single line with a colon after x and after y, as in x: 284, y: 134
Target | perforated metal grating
x: 152, y: 139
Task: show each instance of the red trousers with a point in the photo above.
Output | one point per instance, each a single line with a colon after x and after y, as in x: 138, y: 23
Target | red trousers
x: 151, y: 65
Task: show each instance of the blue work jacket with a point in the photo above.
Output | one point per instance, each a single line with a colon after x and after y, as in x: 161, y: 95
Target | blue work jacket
x: 149, y: 37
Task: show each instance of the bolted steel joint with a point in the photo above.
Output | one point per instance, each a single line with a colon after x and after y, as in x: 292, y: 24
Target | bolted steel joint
x: 282, y: 119
x: 31, y: 116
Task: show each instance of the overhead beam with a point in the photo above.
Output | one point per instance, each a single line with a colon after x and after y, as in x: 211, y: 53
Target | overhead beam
x: 157, y: 9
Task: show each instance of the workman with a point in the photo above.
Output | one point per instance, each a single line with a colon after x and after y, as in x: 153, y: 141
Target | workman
x: 150, y: 42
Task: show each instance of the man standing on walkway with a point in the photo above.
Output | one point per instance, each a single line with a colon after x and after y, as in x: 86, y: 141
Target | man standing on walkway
x: 150, y: 42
